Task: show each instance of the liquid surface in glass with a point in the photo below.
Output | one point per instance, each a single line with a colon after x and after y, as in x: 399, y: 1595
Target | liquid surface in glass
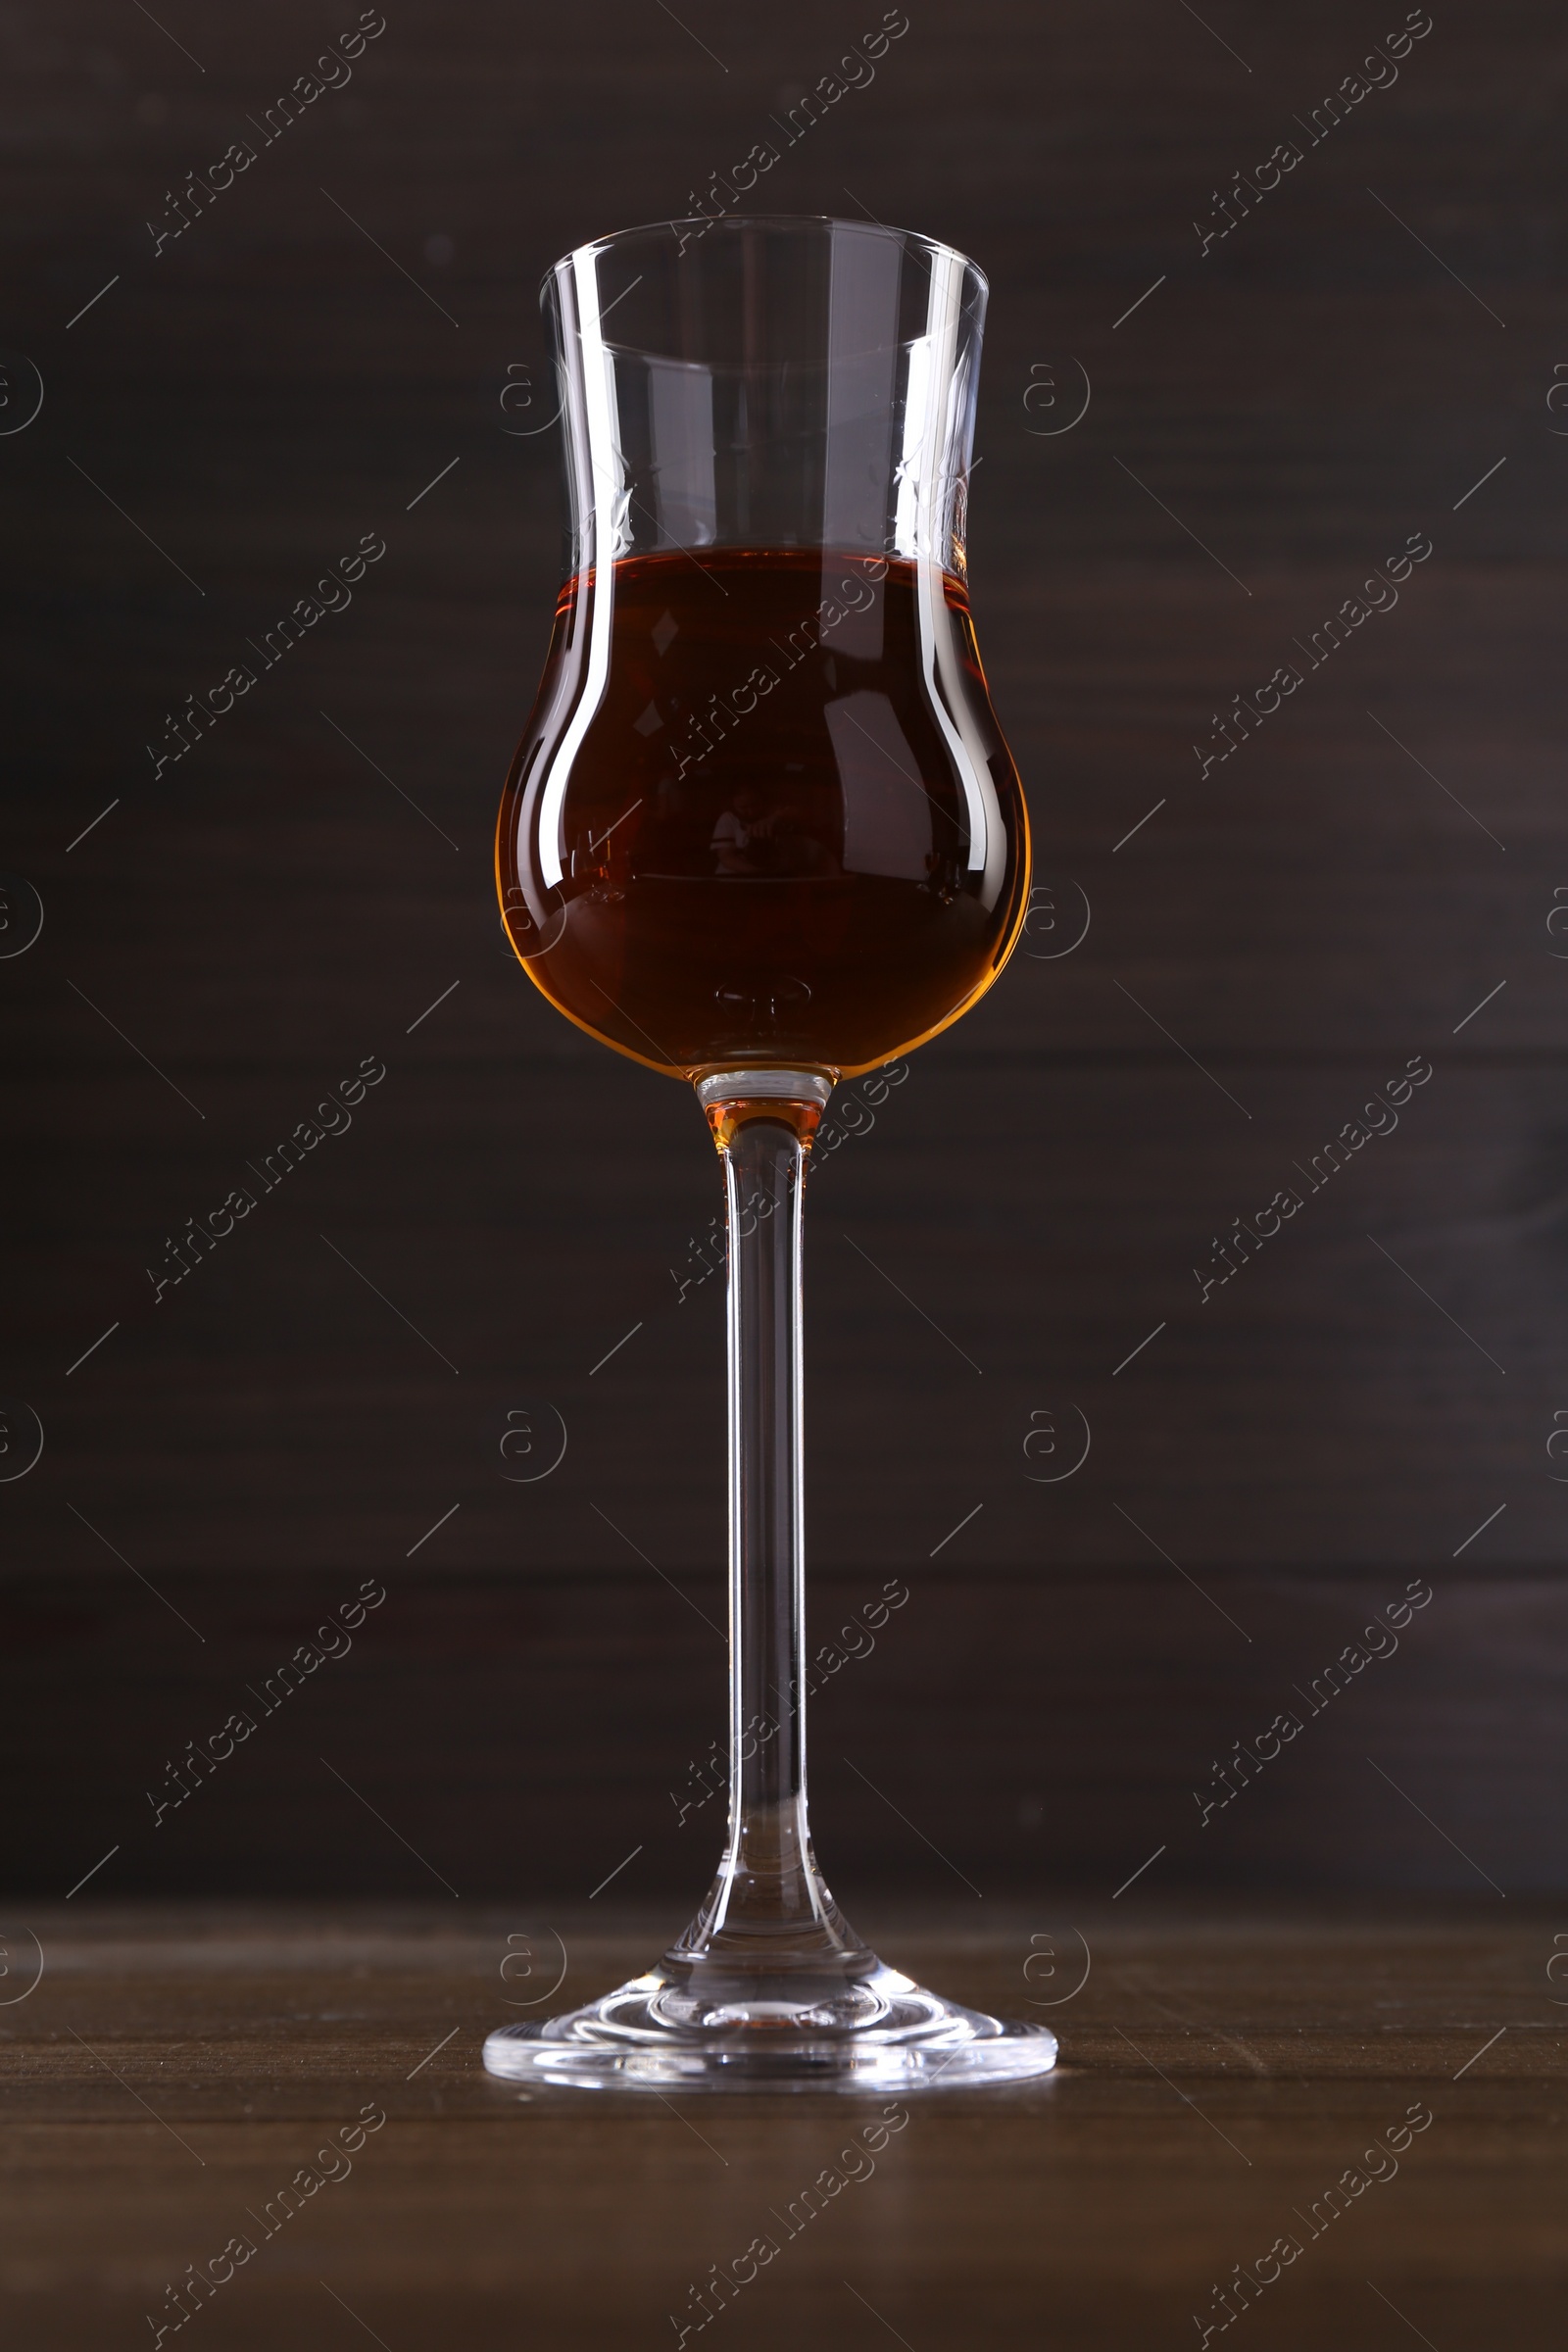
x: 790, y: 834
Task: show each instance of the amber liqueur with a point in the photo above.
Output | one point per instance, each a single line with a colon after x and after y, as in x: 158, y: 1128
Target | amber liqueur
x: 767, y: 835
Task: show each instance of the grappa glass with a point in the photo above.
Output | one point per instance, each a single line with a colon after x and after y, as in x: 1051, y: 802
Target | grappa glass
x: 763, y: 831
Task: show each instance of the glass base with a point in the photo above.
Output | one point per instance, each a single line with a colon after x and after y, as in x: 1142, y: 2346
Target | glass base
x: 878, y: 2031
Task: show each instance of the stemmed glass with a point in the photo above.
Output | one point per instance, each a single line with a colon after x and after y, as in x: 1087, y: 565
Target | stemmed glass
x: 762, y: 832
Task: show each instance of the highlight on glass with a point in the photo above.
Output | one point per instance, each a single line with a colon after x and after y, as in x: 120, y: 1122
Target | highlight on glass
x: 762, y: 832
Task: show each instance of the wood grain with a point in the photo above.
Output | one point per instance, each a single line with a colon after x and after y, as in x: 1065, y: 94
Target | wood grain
x: 1219, y: 2072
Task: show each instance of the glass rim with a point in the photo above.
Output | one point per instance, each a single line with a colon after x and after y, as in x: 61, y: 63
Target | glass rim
x: 786, y: 220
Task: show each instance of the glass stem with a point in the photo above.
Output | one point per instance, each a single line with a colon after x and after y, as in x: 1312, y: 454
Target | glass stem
x: 768, y: 1906
x: 768, y: 1841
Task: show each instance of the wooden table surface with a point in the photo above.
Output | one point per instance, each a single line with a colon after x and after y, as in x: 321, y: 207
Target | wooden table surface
x: 177, y: 2066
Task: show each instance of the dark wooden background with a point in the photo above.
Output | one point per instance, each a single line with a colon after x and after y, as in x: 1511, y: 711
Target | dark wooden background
x: 545, y: 1669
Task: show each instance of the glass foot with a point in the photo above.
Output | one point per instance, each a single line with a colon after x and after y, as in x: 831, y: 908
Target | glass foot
x: 877, y: 2032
